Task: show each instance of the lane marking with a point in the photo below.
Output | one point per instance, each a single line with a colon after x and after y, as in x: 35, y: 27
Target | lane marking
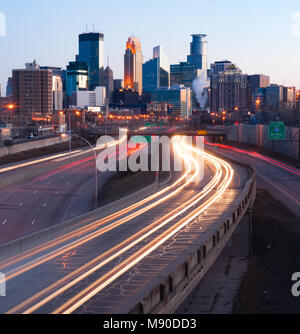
x: 4, y: 221
x: 45, y: 205
x: 21, y: 204
x: 33, y: 222
x: 280, y: 189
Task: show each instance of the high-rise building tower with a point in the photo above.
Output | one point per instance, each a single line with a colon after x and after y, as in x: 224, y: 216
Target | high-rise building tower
x: 198, y: 56
x: 229, y: 91
x: 91, y: 52
x: 156, y: 71
x: 32, y: 91
x: 107, y: 81
x: 133, y: 65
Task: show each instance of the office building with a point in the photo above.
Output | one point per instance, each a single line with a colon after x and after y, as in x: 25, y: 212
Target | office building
x: 183, y: 74
x: 289, y: 97
x: 257, y: 81
x: 9, y: 88
x: 57, y: 91
x: 177, y: 97
x: 274, y: 97
x: 57, y: 86
x: 198, y: 52
x: 156, y: 72
x: 77, y: 77
x: 32, y: 91
x: 91, y: 52
x: 229, y: 91
x: 220, y: 66
x: 85, y: 99
x: 107, y: 81
x: 133, y: 65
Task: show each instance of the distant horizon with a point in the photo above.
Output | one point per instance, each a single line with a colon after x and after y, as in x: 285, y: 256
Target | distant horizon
x: 264, y: 41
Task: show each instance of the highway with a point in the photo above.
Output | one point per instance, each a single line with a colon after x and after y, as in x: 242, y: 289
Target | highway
x: 278, y: 178
x: 101, y: 266
x: 66, y: 190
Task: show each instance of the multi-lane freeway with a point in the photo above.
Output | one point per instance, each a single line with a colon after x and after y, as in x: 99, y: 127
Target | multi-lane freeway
x: 101, y: 266
x: 279, y: 179
x: 64, y: 191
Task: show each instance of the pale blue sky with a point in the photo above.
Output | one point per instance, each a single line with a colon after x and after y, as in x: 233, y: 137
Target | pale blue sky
x: 256, y: 35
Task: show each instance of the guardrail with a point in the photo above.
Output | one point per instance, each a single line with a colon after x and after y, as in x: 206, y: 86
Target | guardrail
x: 166, y: 293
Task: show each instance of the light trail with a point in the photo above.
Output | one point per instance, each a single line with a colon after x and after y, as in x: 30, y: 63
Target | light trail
x: 129, y: 243
x: 112, y: 253
x: 258, y: 156
x: 54, y: 157
x: 85, y: 295
x: 91, y: 227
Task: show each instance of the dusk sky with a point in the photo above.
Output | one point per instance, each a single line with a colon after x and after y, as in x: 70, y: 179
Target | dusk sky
x: 255, y: 35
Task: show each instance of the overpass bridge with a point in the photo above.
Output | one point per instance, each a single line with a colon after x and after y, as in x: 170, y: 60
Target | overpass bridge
x: 169, y: 132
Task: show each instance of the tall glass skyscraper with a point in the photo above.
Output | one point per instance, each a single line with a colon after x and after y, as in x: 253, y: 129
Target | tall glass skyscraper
x: 133, y: 65
x: 198, y: 56
x: 91, y: 52
x: 156, y: 71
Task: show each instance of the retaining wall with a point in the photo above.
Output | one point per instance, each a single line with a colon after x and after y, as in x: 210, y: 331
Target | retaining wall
x: 31, y: 145
x: 259, y: 135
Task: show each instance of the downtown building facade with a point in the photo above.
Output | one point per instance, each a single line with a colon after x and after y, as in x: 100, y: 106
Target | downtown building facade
x: 57, y: 86
x: 178, y: 98
x: 86, y: 99
x: 32, y: 92
x: 156, y: 71
x: 133, y: 65
x: 77, y: 78
x: 229, y: 91
x: 220, y: 66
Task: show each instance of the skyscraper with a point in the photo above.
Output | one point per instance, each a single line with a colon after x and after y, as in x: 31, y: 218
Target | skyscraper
x: 229, y: 90
x: 91, y: 52
x: 198, y: 52
x: 107, y: 81
x: 133, y: 65
x: 156, y: 71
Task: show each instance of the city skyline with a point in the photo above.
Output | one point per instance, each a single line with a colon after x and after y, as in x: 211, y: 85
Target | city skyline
x: 260, y: 41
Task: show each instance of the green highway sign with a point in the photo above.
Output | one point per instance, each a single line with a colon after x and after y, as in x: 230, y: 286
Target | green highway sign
x: 141, y: 139
x: 151, y: 125
x: 277, y: 131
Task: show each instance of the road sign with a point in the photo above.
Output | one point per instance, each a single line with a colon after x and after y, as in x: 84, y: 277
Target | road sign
x: 277, y: 131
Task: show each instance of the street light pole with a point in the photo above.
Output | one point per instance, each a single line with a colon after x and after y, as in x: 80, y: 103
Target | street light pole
x: 70, y: 131
x: 96, y: 170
